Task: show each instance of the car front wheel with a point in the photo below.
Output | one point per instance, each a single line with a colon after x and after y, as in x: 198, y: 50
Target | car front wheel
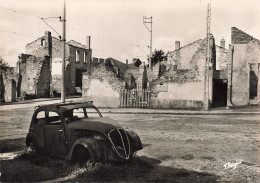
x: 83, y: 157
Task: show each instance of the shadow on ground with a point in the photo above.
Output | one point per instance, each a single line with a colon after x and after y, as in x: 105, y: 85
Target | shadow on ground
x: 11, y: 145
x: 31, y: 167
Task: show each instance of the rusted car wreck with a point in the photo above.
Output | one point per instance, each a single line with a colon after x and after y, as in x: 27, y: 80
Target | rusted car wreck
x: 79, y: 132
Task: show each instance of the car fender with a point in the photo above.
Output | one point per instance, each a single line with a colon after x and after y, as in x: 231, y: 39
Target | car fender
x: 136, y: 143
x: 93, y: 145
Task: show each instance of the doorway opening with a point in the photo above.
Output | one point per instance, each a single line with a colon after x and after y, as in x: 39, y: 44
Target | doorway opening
x: 253, y: 83
x: 220, y: 92
x: 79, y: 73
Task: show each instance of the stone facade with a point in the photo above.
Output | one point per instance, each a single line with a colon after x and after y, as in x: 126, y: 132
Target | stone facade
x: 183, y: 75
x: 34, y: 76
x: 78, y: 60
x: 102, y: 86
x: 8, y: 84
x: 243, y: 70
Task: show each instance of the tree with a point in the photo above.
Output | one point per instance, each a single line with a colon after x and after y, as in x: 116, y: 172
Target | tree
x: 158, y: 56
x: 3, y: 65
x: 3, y: 68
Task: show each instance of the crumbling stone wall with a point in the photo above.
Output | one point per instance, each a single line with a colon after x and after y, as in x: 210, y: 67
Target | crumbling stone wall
x: 36, y: 76
x: 183, y: 75
x: 244, y: 53
x: 240, y: 37
x: 182, y: 56
x: 102, y: 86
x: 222, y: 57
x: 41, y: 47
x: 8, y: 86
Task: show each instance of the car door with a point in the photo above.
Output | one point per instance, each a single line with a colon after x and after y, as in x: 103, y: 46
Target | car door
x: 54, y: 135
x: 39, y: 123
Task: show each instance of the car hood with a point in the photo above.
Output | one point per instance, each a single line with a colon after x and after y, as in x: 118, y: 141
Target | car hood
x: 103, y: 125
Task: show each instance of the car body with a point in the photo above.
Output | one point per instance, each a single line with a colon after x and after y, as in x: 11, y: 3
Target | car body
x: 78, y: 131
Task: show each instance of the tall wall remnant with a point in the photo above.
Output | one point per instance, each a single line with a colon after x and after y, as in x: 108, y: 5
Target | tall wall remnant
x: 243, y: 70
x: 77, y: 60
x: 183, y: 76
x: 34, y: 76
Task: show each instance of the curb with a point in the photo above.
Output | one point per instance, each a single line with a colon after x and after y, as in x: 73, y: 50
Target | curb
x: 184, y: 113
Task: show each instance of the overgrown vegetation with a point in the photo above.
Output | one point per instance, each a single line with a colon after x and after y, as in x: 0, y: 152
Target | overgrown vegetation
x: 158, y: 56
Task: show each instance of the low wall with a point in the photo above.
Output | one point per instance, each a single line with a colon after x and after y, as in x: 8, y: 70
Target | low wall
x: 102, y: 94
x: 176, y: 104
x: 188, y: 95
x: 103, y: 101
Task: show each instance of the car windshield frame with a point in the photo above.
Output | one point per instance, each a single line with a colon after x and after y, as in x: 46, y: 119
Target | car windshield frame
x: 70, y: 117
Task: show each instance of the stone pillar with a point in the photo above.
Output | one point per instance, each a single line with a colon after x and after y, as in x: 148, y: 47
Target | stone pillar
x: 177, y: 45
x: 88, y: 42
x: 222, y: 42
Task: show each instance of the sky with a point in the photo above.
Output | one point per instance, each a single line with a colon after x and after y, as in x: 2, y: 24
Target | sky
x: 116, y: 26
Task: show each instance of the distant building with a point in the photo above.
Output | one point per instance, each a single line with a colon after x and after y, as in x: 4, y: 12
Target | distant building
x: 106, y: 79
x: 244, y: 69
x: 34, y: 76
x: 48, y: 50
x: 8, y: 80
x: 182, y: 76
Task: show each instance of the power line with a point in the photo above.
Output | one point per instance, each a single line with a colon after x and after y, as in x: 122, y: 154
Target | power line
x: 72, y: 28
x: 19, y: 12
x: 18, y: 33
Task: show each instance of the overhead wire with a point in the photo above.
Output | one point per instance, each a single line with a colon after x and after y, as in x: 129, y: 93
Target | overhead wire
x: 86, y: 33
x: 20, y: 34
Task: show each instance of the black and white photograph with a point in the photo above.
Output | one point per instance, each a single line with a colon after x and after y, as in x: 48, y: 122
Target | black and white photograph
x: 130, y: 91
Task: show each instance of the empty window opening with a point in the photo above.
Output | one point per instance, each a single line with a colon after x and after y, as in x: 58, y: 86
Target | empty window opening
x: 42, y: 42
x: 85, y: 57
x: 77, y: 55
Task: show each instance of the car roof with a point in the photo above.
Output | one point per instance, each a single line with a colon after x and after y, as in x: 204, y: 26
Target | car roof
x: 65, y: 106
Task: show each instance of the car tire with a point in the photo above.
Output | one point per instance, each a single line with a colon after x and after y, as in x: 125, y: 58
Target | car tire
x: 82, y: 157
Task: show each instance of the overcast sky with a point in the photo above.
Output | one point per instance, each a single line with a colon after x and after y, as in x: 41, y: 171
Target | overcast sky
x: 116, y: 26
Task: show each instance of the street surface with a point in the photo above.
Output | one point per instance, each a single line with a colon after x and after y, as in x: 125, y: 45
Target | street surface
x: 177, y: 148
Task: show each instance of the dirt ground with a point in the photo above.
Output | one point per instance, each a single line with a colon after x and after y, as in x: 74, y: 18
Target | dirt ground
x: 177, y: 148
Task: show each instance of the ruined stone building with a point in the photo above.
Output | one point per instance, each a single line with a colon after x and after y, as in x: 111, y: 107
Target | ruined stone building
x: 183, y: 76
x: 8, y: 80
x: 106, y: 79
x: 40, y: 68
x: 34, y: 76
x: 243, y: 70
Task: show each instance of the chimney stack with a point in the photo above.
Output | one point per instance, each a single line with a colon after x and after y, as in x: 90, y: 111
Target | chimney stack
x: 177, y: 45
x: 88, y: 39
x: 222, y: 42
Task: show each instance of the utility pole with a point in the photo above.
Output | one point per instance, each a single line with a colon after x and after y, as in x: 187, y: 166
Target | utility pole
x: 64, y: 55
x: 206, y: 66
x: 151, y: 36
